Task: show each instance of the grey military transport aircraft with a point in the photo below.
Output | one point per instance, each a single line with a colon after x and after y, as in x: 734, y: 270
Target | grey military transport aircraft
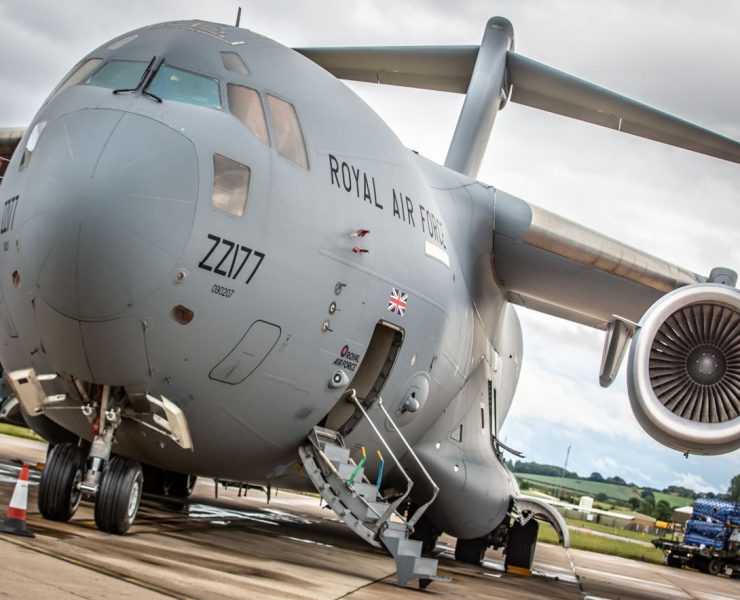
x: 217, y: 260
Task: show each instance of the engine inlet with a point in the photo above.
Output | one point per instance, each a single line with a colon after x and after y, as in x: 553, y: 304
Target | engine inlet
x: 695, y: 363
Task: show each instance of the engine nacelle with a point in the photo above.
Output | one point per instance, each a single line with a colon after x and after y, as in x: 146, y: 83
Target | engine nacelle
x: 684, y: 370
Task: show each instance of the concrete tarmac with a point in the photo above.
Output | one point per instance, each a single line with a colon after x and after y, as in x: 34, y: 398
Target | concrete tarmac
x: 237, y: 547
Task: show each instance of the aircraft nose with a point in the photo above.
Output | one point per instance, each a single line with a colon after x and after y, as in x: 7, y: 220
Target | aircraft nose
x: 110, y: 202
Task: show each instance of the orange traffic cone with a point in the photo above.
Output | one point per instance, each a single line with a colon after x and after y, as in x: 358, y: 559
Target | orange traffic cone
x: 15, y: 520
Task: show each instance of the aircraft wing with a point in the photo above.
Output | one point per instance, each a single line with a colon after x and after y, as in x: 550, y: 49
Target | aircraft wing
x: 450, y: 68
x: 550, y: 264
x: 9, y: 139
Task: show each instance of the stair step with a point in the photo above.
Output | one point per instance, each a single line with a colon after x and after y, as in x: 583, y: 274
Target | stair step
x: 336, y: 453
x: 346, y: 469
x: 395, y: 529
x: 425, y: 567
x: 366, y: 490
x: 365, y: 514
x: 400, y: 546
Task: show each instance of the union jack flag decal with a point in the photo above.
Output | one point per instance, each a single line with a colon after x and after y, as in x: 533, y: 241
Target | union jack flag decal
x: 398, y: 301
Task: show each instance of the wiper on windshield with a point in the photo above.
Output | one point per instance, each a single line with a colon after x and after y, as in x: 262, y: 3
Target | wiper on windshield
x: 146, y: 79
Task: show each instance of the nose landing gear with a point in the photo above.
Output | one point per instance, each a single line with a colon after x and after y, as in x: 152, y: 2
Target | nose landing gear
x: 116, y: 483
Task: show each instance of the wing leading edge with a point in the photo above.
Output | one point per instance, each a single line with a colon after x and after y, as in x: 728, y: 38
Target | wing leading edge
x: 450, y: 68
x: 550, y: 264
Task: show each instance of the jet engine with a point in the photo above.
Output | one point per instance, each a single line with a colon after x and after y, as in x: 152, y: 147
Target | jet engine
x: 684, y: 369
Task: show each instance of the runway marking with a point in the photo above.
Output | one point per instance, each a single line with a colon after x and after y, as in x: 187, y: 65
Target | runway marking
x: 642, y: 582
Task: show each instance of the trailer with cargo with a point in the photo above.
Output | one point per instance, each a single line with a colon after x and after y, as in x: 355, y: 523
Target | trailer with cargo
x: 711, y: 541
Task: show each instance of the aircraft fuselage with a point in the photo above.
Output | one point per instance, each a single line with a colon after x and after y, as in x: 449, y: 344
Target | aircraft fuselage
x: 117, y: 268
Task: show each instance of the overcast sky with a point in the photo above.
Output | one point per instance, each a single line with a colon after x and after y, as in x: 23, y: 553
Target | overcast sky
x: 678, y: 55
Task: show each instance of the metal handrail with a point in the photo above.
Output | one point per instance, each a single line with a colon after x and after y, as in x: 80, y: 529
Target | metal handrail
x: 419, y: 511
x: 410, y: 483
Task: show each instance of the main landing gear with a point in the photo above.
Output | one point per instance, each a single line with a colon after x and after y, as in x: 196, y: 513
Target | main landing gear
x: 519, y: 539
x: 115, y: 482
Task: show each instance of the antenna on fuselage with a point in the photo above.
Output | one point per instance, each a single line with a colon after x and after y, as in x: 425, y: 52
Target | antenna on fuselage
x: 238, y: 16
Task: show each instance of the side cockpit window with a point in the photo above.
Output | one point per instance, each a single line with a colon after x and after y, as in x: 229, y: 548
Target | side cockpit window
x: 288, y: 135
x: 245, y: 105
x: 184, y: 86
x: 78, y: 75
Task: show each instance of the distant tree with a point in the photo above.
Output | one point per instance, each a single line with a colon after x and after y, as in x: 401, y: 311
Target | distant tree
x: 524, y: 484
x: 678, y: 490
x: 647, y: 507
x: 595, y: 477
x: 733, y: 492
x: 633, y: 503
x: 663, y: 511
x: 646, y: 494
x: 617, y: 480
x: 534, y: 468
x: 601, y: 497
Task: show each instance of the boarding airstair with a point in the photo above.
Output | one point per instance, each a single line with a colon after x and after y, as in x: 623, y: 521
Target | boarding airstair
x: 342, y: 483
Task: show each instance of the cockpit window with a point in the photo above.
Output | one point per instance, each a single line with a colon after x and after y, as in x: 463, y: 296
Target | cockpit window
x: 183, y: 86
x: 230, y: 185
x: 288, y: 136
x: 79, y: 74
x: 119, y: 74
x: 233, y: 62
x: 245, y: 104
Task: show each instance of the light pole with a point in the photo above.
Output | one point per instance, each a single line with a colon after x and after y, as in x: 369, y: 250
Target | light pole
x: 562, y: 473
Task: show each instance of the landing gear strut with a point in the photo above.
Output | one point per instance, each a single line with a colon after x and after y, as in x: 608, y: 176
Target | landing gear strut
x: 116, y: 483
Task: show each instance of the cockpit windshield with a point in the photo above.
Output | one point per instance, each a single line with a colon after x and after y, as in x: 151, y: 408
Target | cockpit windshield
x: 183, y: 86
x: 170, y: 83
x: 119, y: 74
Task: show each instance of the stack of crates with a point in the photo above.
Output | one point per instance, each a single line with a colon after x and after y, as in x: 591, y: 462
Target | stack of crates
x: 712, y: 523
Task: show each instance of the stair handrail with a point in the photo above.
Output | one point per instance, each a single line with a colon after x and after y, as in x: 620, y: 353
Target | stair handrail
x: 410, y: 482
x: 422, y: 509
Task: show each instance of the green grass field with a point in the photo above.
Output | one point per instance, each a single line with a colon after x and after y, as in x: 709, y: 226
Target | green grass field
x: 625, y: 533
x: 592, y: 488
x: 594, y: 543
x: 21, y: 432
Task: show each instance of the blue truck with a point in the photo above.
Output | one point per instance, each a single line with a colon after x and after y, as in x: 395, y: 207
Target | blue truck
x: 711, y: 541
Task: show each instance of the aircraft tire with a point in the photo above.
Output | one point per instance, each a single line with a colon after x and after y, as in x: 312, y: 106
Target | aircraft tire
x: 179, y: 485
x: 521, y: 545
x: 471, y: 551
x: 59, y: 495
x: 119, y: 494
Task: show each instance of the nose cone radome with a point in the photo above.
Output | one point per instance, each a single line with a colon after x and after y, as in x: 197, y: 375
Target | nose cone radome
x: 110, y: 202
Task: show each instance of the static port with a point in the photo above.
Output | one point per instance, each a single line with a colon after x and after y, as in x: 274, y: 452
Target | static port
x: 182, y: 314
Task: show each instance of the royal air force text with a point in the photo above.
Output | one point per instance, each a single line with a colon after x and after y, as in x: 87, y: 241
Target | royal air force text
x: 358, y: 183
